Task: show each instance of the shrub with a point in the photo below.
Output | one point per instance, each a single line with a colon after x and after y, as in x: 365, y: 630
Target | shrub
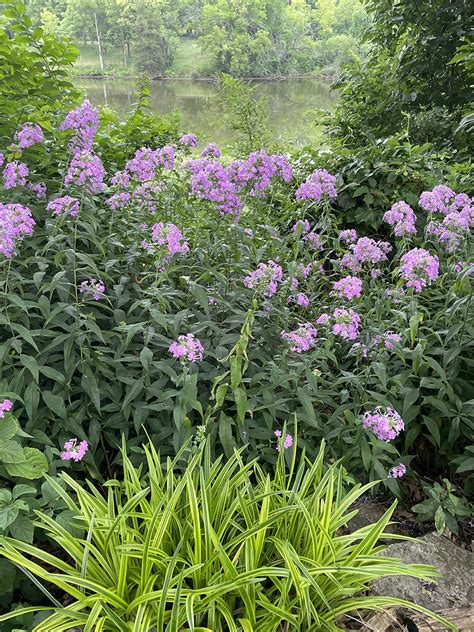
x: 208, y: 545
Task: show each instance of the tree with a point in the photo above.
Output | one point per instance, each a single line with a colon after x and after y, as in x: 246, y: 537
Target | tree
x: 155, y: 32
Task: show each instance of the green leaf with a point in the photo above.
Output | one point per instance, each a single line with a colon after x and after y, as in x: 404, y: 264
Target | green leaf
x: 55, y: 403
x: 22, y: 528
x: 8, y: 427
x: 89, y: 384
x: 11, y: 452
x: 35, y: 465
x: 31, y: 364
x: 7, y: 576
x: 7, y: 516
x: 146, y: 357
x: 440, y: 520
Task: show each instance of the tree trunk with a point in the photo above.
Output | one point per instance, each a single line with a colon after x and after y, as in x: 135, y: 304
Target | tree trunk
x: 99, y: 43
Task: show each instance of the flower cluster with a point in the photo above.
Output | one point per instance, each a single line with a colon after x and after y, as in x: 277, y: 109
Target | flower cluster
x: 265, y: 278
x: 188, y: 140
x: 348, y: 236
x: 365, y: 251
x: 169, y: 235
x: 64, y: 206
x: 287, y: 442
x: 15, y: 174
x: 86, y: 170
x: 349, y: 287
x: 388, y: 340
x: 419, y: 269
x: 301, y: 339
x: 257, y: 171
x: 84, y: 121
x: 211, y: 150
x: 92, y: 288
x: 302, y: 228
x: 454, y: 227
x: 438, y: 200
x: 211, y: 181
x: 165, y: 156
x: 317, y: 186
x: 187, y: 347
x: 143, y: 164
x: 346, y: 323
x: 397, y: 471
x: 5, y: 407
x: 38, y: 189
x: 74, y: 450
x: 385, y: 423
x: 15, y: 223
x: 300, y: 299
x: 402, y: 218
x: 30, y: 134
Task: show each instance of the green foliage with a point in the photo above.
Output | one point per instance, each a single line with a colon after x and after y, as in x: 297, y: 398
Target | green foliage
x: 245, y: 114
x: 33, y: 72
x: 118, y: 139
x: 444, y: 506
x: 410, y: 70
x: 250, y: 38
x: 376, y: 175
x: 208, y: 545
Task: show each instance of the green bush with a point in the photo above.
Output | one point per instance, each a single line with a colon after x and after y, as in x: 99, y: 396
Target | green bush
x: 207, y: 545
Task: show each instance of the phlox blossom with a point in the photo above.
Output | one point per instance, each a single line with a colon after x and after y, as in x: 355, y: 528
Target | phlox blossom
x: 385, y: 423
x: 5, y: 407
x: 187, y: 347
x: 74, y: 451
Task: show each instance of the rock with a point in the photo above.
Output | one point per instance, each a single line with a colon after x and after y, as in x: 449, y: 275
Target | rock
x: 454, y: 587
x: 370, y: 512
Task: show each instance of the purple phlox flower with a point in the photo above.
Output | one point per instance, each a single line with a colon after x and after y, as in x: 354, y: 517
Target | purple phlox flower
x: 64, y: 206
x: 301, y: 339
x: 349, y: 287
x: 257, y: 171
x: 2, y: 159
x: 120, y: 179
x: 287, y: 442
x: 212, y: 181
x: 142, y: 166
x: 248, y: 232
x: 402, y: 218
x: 74, y: 450
x: 305, y: 270
x: 94, y: 288
x: 359, y: 347
x: 397, y: 471
x: 84, y: 121
x: 317, y: 186
x: 165, y: 156
x: 348, y: 236
x: 385, y: 423
x: 145, y: 196
x: 302, y: 226
x: 29, y: 135
x: 460, y: 266
x: 5, y: 407
x: 323, y: 319
x: 419, y: 268
x: 365, y: 250
x: 438, y: 200
x: 16, y: 223
x: 169, y: 235
x: 346, y: 323
x: 301, y: 299
x: 211, y: 150
x: 119, y: 200
x: 388, y: 340
x: 15, y: 174
x: 86, y: 170
x: 38, y: 189
x: 265, y: 278
x: 188, y: 140
x: 187, y: 347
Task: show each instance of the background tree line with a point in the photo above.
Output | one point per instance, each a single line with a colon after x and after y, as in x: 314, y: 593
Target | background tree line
x: 239, y: 37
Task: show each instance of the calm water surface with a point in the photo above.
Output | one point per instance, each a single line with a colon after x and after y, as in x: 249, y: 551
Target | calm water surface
x: 291, y: 103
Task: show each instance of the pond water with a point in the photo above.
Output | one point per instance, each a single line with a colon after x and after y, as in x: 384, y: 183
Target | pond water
x: 292, y: 104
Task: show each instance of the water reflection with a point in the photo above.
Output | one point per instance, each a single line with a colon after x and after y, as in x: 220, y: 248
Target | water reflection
x: 291, y: 105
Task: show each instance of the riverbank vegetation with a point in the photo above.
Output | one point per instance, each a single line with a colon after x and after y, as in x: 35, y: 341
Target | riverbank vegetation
x: 201, y: 38
x: 206, y: 359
